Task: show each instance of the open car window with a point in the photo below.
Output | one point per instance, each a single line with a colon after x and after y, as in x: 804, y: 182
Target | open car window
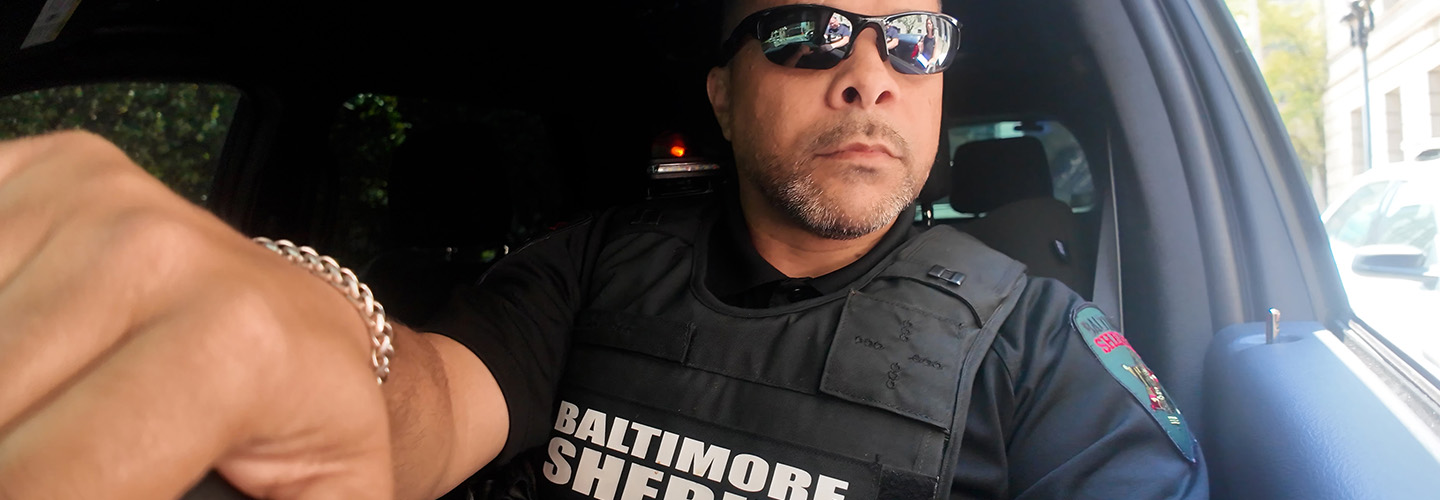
x: 176, y: 130
x: 1383, y: 235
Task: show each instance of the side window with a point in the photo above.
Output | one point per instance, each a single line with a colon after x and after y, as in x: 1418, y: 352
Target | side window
x: 415, y: 172
x: 175, y: 130
x: 1069, y: 169
x: 1351, y: 222
x: 368, y: 128
x: 1395, y: 297
x: 428, y: 193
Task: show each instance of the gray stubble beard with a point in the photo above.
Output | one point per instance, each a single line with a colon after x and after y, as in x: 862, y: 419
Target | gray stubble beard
x: 790, y: 186
x: 794, y: 192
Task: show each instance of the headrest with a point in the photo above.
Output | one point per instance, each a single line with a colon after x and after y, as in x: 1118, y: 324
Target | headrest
x: 988, y: 174
x: 446, y: 189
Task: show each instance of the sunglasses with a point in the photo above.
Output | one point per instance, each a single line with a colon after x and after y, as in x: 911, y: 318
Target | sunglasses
x: 819, y: 37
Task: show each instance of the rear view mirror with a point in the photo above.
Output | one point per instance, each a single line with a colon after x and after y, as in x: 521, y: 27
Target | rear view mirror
x: 1394, y: 261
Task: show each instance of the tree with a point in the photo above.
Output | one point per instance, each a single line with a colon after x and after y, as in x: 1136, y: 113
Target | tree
x: 1292, y: 59
x: 175, y: 130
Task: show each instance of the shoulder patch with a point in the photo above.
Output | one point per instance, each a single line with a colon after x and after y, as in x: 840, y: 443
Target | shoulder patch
x: 1114, y: 352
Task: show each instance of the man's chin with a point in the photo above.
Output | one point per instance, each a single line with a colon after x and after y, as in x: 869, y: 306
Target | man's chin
x: 844, y: 225
x: 838, y: 208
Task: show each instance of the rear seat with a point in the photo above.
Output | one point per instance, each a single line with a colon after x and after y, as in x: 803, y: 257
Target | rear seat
x: 1008, y: 182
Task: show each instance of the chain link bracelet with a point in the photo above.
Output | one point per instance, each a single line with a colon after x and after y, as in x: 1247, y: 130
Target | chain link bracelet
x: 356, y: 292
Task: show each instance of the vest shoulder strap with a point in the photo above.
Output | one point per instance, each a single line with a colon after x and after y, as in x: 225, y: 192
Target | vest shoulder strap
x: 987, y: 282
x: 677, y: 217
x: 982, y: 278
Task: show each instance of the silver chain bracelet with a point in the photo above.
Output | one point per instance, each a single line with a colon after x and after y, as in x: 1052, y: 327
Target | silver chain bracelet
x: 356, y: 292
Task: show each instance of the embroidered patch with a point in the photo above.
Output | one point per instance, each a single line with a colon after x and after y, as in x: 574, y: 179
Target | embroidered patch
x: 1123, y: 363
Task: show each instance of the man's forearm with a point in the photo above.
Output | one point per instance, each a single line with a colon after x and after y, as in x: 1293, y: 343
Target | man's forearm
x: 447, y: 417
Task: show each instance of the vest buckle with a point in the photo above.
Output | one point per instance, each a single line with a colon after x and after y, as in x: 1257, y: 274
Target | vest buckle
x: 944, y: 274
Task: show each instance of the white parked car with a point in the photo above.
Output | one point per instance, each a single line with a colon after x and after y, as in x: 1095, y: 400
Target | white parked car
x: 1383, y: 234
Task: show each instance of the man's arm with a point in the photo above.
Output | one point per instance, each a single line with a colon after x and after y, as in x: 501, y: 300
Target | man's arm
x: 145, y: 342
x: 1049, y: 420
x: 447, y: 415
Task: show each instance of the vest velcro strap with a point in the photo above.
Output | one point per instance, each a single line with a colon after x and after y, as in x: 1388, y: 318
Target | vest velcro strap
x: 896, y: 357
x: 654, y: 336
x: 962, y: 266
x: 898, y: 484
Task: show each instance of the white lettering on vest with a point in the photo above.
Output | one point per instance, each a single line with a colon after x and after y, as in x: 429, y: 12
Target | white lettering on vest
x: 749, y: 472
x: 595, y: 480
x: 829, y: 488
x: 666, y: 454
x: 637, y: 483
x: 565, y: 418
x: 696, y: 459
x: 592, y: 427
x: 679, y: 488
x: 617, y: 435
x: 789, y: 483
x: 643, y: 435
x: 602, y: 471
x: 557, y: 470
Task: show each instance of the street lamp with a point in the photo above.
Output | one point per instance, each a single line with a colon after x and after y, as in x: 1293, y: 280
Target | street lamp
x: 1361, y: 21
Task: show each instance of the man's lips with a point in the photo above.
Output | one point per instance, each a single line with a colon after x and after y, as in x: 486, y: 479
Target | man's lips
x: 860, y: 150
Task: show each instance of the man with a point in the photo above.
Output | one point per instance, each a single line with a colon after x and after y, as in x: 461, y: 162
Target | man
x: 793, y: 341
x: 837, y: 34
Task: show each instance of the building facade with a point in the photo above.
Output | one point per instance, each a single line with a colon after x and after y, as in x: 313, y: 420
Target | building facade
x: 1404, y: 67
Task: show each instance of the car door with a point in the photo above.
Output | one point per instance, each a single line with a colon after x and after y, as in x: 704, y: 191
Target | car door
x: 1215, y: 228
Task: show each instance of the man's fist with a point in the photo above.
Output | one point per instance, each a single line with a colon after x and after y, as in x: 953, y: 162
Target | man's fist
x: 143, y: 342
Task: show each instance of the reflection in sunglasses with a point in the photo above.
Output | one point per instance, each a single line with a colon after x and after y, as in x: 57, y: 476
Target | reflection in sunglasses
x: 837, y: 35
x: 818, y: 37
x: 787, y: 35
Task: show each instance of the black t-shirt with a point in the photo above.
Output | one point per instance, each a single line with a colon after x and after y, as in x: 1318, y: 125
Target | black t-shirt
x: 1046, y: 419
x: 745, y: 279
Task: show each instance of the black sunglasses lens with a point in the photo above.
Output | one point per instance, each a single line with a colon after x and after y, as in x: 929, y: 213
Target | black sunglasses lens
x: 921, y: 44
x: 811, y: 38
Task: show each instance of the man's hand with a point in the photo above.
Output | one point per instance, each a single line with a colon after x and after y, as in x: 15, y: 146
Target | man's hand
x: 143, y: 342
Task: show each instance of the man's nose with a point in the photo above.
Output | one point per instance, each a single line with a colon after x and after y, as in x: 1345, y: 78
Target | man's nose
x: 864, y: 79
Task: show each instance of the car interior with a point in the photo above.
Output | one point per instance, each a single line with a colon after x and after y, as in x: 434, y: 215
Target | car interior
x: 1119, y: 146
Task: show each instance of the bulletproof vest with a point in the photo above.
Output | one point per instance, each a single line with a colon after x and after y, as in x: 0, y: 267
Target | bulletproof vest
x: 672, y: 394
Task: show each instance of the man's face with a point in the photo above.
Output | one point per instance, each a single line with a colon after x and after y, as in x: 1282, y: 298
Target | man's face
x: 841, y: 152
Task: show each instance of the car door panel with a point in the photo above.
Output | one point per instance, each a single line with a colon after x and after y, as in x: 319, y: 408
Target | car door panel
x: 1304, y: 418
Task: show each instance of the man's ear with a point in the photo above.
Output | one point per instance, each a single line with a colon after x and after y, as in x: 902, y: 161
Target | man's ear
x: 717, y: 85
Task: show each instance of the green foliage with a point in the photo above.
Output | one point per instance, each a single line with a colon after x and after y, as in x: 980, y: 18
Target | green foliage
x: 175, y: 130
x: 364, y: 138
x: 1296, y: 72
x: 367, y: 130
x: 1292, y: 58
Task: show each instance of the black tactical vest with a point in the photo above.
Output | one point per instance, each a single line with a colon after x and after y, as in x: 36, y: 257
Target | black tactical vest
x: 671, y: 394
